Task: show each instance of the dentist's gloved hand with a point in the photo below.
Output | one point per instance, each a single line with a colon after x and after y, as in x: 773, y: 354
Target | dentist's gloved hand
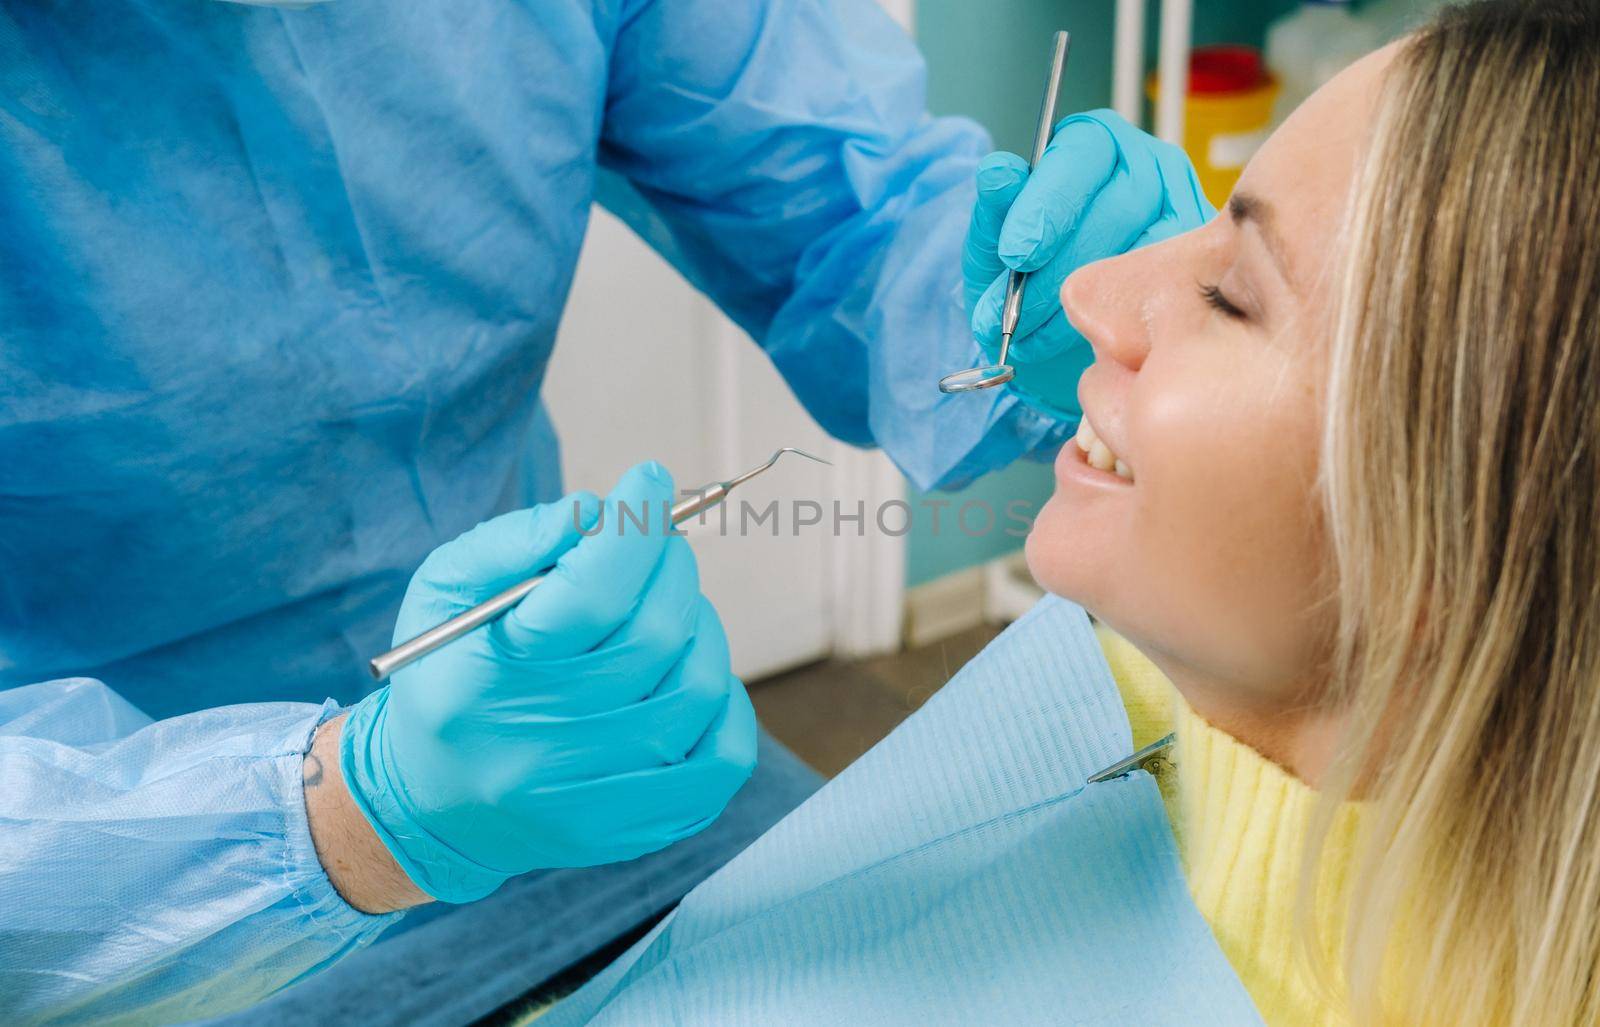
x: 595, y: 722
x: 1102, y: 188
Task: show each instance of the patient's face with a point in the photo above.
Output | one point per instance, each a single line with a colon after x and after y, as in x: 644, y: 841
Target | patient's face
x: 1211, y: 558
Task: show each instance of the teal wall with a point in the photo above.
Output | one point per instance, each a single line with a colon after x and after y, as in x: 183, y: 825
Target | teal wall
x: 986, y: 60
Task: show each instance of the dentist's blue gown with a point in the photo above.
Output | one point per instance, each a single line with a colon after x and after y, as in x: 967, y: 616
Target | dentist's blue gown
x: 277, y: 293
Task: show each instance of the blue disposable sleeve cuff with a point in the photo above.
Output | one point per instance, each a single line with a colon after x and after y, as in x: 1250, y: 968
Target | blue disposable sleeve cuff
x: 305, y: 877
x: 159, y: 871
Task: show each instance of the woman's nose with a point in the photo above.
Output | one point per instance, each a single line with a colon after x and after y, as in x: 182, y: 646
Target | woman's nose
x: 1106, y: 302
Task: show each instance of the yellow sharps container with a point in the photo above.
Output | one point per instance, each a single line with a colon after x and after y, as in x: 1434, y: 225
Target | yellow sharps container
x: 1227, y: 113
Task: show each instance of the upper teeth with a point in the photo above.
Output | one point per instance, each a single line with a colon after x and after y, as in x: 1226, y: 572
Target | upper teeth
x: 1099, y: 454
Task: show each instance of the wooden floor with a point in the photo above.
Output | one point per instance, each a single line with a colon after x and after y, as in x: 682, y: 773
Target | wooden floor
x: 829, y: 713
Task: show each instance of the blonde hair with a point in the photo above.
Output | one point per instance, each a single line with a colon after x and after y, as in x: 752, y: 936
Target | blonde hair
x: 1461, y: 470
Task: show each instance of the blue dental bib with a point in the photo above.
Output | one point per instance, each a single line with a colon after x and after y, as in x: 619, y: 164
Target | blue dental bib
x: 961, y: 871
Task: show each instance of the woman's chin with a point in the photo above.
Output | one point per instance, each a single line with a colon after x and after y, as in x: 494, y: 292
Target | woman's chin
x: 1055, y: 557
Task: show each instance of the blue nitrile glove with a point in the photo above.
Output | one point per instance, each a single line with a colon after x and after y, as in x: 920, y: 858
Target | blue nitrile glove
x: 596, y: 721
x: 1102, y: 188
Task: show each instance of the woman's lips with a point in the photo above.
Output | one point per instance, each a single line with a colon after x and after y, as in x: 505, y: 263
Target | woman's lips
x: 1072, y: 465
x: 1102, y: 394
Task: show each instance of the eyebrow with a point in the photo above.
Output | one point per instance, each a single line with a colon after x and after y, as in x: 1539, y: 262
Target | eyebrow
x: 1243, y: 207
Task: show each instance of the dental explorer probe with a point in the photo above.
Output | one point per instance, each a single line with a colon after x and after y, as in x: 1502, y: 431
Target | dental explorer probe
x: 1001, y: 372
x: 411, y: 651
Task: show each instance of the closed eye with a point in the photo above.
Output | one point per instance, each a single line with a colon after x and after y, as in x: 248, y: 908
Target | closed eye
x: 1217, y: 301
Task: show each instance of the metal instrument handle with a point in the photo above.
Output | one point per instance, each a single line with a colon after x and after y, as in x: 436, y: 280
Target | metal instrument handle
x: 415, y: 649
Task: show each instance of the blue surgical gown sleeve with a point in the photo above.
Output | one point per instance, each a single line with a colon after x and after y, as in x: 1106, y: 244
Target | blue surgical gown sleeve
x: 157, y: 871
x: 779, y: 153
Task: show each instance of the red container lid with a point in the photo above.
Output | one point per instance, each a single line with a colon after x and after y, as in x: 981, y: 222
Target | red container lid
x: 1225, y: 68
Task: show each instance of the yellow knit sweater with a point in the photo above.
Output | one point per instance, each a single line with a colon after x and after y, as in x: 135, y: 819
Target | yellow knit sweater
x: 1239, y: 819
